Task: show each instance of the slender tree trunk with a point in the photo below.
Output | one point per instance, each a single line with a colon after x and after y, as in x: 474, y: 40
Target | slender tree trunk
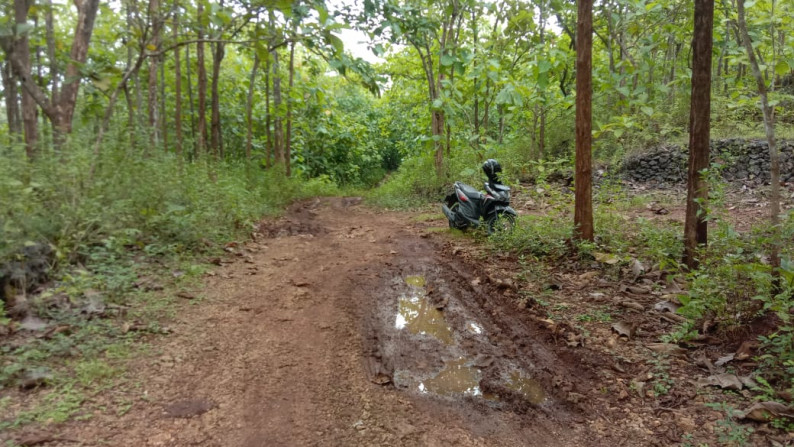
x: 177, y: 85
x: 583, y: 211
x: 278, y: 131
x: 22, y: 52
x: 774, y: 156
x: 154, y: 130
x: 288, y: 142
x: 542, y: 136
x: 475, y: 30
x: 202, y: 87
x: 11, y: 101
x: 67, y: 98
x: 695, y: 225
x: 215, y: 118
x: 163, y: 116
x: 268, y: 118
x: 127, y: 95
x: 191, y: 103
x: 249, y: 105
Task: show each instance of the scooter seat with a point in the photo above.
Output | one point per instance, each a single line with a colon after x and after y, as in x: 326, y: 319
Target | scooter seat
x: 499, y: 187
x: 468, y: 190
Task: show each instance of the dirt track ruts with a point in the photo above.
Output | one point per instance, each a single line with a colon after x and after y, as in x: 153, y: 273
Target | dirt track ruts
x: 286, y: 345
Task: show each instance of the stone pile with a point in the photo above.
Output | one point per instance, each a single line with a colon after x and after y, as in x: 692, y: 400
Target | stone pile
x: 742, y: 160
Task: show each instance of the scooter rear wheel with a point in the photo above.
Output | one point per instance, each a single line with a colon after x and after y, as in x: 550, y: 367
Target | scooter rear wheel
x: 454, y: 209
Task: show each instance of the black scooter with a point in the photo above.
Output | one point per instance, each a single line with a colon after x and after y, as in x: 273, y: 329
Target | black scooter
x: 467, y: 207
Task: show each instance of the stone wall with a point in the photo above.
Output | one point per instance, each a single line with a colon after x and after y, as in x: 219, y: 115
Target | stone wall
x: 743, y: 160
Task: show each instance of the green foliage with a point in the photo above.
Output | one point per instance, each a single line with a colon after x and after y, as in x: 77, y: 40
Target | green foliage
x: 156, y: 203
x: 730, y: 432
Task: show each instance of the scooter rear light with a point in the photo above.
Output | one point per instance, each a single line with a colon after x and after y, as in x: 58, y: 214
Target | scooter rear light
x: 463, y: 198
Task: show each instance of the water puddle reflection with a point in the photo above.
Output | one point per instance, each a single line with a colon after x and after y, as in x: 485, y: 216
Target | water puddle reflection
x: 416, y: 314
x: 456, y: 378
x: 529, y: 388
x: 415, y: 280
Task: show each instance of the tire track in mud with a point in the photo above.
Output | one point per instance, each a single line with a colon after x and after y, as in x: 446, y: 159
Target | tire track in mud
x: 297, y: 344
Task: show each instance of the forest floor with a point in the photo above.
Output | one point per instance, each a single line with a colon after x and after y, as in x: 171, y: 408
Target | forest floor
x: 339, y: 324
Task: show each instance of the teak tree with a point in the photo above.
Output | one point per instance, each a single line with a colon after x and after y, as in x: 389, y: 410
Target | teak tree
x: 774, y: 156
x: 59, y: 108
x: 583, y: 211
x: 696, y: 225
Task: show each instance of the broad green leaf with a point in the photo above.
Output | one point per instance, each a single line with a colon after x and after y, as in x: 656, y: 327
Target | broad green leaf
x: 647, y: 110
x: 782, y: 68
x: 447, y: 60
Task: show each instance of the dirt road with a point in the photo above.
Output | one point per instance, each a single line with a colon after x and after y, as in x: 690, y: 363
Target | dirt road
x: 343, y: 326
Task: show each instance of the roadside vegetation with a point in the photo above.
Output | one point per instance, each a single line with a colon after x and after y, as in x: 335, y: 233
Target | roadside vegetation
x: 165, y: 131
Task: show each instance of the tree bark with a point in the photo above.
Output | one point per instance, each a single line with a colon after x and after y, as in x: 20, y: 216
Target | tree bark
x: 177, y: 85
x: 268, y: 120
x: 774, y: 156
x: 154, y: 137
x: 215, y: 118
x: 67, y: 98
x: 21, y: 51
x: 288, y: 141
x: 60, y: 109
x: 278, y: 131
x: 194, y: 152
x: 163, y: 116
x: 50, y: 36
x: 249, y: 105
x: 202, y: 86
x: 11, y: 101
x: 583, y: 211
x: 695, y: 225
x: 127, y: 95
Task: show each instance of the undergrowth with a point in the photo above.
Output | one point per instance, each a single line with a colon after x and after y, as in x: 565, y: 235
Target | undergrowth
x: 123, y: 241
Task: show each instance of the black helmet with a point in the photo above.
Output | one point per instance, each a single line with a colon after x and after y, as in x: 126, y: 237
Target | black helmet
x: 491, y: 168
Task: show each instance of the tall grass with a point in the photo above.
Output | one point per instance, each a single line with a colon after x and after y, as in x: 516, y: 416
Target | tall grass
x: 156, y: 199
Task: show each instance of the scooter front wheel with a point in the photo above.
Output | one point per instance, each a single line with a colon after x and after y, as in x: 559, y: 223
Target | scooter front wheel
x: 501, y: 223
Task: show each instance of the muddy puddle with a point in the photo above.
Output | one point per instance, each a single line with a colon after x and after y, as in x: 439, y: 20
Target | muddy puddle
x: 458, y: 370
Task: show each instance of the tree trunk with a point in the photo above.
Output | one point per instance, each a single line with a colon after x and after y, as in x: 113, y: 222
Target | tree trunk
x: 154, y: 133
x: 22, y: 52
x: 288, y: 142
x: 215, y: 118
x: 278, y: 131
x: 268, y: 120
x: 177, y: 85
x: 583, y: 211
x: 202, y: 87
x: 695, y: 225
x: 163, y: 116
x: 437, y: 129
x: 50, y: 36
x: 67, y: 99
x: 476, y: 79
x: 191, y: 103
x: 249, y: 105
x: 60, y: 109
x: 130, y: 105
x: 11, y: 101
x: 774, y: 156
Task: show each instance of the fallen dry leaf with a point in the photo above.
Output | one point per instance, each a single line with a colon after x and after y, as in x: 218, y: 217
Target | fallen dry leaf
x: 725, y: 381
x: 606, y: 258
x: 666, y: 306
x: 725, y: 359
x: 666, y: 348
x: 625, y: 329
x: 632, y: 305
x: 766, y: 411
